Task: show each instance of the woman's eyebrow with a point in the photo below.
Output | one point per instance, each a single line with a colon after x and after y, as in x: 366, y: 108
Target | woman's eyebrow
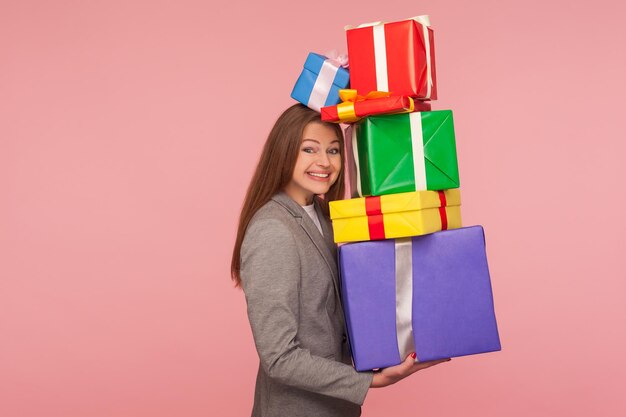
x: 316, y: 141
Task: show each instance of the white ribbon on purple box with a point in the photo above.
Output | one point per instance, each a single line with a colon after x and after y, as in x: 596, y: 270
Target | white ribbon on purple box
x: 404, y: 297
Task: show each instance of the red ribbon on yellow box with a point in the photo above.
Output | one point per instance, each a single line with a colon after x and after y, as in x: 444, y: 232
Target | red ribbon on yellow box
x: 394, y: 216
x: 375, y: 221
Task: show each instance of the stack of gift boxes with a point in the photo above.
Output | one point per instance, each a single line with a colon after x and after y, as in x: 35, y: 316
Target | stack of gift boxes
x: 413, y: 280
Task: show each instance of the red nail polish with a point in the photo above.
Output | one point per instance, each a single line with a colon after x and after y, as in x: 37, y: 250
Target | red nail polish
x: 413, y: 355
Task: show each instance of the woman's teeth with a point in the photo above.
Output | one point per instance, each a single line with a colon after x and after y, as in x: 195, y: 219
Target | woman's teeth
x: 315, y: 174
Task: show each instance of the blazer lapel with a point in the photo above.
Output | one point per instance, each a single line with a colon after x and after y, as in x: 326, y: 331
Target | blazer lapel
x: 320, y: 242
x: 332, y: 248
x: 327, y: 229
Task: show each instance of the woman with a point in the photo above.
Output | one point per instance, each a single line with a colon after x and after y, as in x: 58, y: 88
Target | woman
x: 284, y: 258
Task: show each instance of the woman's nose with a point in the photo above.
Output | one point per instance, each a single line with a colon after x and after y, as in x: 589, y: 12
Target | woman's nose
x: 323, y: 160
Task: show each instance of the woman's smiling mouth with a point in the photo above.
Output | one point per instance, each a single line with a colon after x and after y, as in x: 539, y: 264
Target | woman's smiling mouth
x: 319, y: 175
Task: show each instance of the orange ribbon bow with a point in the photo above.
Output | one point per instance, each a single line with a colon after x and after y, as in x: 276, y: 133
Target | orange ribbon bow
x: 345, y: 110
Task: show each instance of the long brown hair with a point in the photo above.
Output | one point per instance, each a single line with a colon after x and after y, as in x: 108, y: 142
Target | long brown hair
x: 275, y: 170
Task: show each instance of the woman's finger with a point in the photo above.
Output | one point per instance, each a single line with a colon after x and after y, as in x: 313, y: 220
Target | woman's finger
x: 409, y: 361
x: 428, y: 364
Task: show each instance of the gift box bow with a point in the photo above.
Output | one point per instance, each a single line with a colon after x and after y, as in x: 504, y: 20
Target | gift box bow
x: 341, y: 60
x: 346, y: 111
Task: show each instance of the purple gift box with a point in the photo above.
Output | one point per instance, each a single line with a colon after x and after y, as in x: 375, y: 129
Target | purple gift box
x: 430, y: 294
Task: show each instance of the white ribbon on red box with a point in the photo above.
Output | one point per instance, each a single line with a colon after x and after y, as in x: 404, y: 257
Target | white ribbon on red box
x: 380, y: 52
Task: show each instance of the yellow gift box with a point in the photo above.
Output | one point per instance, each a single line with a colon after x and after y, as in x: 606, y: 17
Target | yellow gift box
x: 395, y: 215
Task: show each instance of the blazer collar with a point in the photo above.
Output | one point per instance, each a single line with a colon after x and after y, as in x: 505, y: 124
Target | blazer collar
x: 324, y: 244
x: 291, y: 206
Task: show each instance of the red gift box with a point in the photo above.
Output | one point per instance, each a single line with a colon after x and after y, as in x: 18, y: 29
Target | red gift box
x: 357, y: 107
x: 397, y: 57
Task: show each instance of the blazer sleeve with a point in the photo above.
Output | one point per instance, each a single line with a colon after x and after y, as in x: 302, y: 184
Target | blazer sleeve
x: 270, y: 275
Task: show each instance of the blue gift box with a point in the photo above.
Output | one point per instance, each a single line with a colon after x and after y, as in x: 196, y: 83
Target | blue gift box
x: 320, y: 82
x: 446, y: 310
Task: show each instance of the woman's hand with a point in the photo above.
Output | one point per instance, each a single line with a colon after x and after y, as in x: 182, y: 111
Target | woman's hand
x: 393, y: 374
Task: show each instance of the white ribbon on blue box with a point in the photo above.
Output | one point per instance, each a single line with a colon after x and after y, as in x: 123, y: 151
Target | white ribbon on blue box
x: 320, y: 81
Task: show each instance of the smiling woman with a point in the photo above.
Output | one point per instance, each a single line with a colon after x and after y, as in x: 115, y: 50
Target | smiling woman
x: 284, y: 258
x: 277, y: 164
x: 318, y: 164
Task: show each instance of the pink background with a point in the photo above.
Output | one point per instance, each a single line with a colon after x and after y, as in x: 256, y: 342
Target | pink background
x: 128, y: 134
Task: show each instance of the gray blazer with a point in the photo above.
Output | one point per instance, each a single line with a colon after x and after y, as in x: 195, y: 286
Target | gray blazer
x: 289, y: 277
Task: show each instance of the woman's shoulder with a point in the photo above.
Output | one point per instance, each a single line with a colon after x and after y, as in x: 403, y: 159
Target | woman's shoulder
x: 271, y: 212
x: 271, y: 222
x: 270, y: 234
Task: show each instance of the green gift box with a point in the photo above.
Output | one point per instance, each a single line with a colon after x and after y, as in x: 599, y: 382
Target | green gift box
x: 398, y: 153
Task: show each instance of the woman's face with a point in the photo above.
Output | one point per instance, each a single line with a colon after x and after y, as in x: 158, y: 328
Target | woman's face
x: 318, y: 164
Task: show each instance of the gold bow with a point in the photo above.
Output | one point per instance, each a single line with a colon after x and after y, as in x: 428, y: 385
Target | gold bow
x: 345, y: 109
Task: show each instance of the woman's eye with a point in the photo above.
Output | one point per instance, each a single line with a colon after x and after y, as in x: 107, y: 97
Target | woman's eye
x: 308, y: 150
x: 333, y: 151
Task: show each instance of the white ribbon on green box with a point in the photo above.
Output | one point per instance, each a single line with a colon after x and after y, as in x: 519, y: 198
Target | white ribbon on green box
x: 417, y: 145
